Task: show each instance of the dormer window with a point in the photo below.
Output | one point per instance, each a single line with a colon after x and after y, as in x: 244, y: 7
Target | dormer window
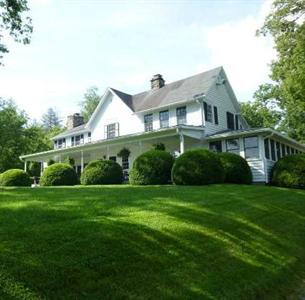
x: 181, y: 115
x: 60, y: 143
x: 164, y: 119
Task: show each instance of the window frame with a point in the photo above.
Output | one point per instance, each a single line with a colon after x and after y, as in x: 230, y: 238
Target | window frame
x: 164, y: 122
x: 267, y: 148
x: 216, y: 119
x: 230, y: 149
x: 113, y: 132
x: 252, y: 147
x: 230, y: 119
x: 181, y: 118
x: 148, y: 125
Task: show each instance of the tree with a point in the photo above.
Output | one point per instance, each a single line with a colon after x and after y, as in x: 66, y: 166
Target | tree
x: 286, y: 24
x: 50, y: 119
x: 14, y: 21
x: 263, y: 112
x: 92, y: 99
x: 18, y: 136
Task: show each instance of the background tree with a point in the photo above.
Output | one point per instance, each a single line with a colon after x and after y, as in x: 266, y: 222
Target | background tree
x: 286, y: 24
x: 91, y: 100
x: 14, y: 21
x: 18, y: 136
x: 262, y: 112
x: 50, y: 119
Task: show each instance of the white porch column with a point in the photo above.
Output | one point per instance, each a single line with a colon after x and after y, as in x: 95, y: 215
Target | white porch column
x: 25, y: 166
x: 41, y: 167
x: 181, y: 137
x: 82, y: 162
x: 107, y: 156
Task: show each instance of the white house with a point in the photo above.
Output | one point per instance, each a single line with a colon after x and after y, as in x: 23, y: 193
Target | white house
x: 200, y: 111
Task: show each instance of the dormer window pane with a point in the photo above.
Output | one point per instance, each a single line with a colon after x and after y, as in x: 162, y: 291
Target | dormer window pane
x: 181, y: 115
x: 148, y: 122
x: 164, y: 119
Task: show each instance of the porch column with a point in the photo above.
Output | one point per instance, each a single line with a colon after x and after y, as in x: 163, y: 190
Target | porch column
x: 140, y: 147
x: 82, y: 162
x: 41, y: 167
x: 25, y: 166
x: 107, y: 156
x: 181, y: 137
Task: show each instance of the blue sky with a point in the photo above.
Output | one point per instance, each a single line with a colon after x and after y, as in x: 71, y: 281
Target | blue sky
x: 78, y: 44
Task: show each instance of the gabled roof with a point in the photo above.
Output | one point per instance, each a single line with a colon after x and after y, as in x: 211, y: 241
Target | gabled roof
x: 179, y: 91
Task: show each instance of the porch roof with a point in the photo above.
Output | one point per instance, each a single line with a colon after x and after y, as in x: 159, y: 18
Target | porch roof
x: 254, y: 131
x: 192, y: 131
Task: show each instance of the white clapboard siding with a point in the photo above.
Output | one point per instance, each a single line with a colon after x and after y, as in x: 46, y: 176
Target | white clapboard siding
x: 269, y: 166
x: 258, y: 170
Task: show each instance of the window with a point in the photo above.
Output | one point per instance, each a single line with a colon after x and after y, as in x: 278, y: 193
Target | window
x: 230, y: 120
x: 272, y: 144
x: 267, y: 149
x: 283, y: 150
x: 216, y: 146
x: 233, y: 146
x: 125, y: 163
x: 89, y: 137
x: 61, y: 143
x: 207, y: 112
x: 278, y: 150
x: 113, y: 158
x: 79, y: 139
x: 148, y: 122
x: 251, y: 147
x: 112, y: 130
x: 164, y: 118
x: 181, y: 115
x: 216, y: 115
x: 236, y: 122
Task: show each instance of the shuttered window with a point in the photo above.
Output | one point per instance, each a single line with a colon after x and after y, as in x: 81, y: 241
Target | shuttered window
x: 111, y: 130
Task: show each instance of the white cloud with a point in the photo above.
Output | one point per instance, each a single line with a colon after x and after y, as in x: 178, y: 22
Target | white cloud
x: 245, y: 56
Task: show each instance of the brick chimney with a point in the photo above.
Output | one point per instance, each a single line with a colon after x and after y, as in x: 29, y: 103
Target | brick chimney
x: 74, y: 121
x: 157, y: 82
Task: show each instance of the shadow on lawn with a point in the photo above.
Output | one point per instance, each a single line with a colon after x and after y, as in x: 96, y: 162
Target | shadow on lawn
x: 177, y: 244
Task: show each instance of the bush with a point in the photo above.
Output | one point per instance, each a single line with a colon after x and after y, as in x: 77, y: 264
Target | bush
x: 58, y: 174
x: 236, y: 168
x: 152, y: 167
x: 289, y: 171
x: 198, y: 167
x: 102, y: 172
x: 15, y: 177
x: 51, y: 162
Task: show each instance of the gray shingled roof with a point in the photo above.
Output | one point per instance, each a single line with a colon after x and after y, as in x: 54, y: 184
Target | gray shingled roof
x: 175, y: 92
x: 70, y: 131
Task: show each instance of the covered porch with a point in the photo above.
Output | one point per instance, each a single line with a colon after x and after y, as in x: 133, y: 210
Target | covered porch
x: 176, y: 140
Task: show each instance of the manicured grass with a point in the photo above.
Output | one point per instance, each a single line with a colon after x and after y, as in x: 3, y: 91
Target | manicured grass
x: 122, y: 242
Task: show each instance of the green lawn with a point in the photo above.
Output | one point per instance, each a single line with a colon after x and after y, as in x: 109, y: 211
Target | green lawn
x: 123, y: 242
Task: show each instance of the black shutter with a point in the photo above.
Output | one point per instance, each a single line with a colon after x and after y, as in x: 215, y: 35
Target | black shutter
x: 236, y: 122
x: 215, y: 115
x: 205, y: 108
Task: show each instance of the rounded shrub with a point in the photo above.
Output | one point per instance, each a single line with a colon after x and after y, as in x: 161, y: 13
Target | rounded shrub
x: 289, y: 171
x: 58, y: 174
x: 15, y: 177
x: 102, y: 172
x: 198, y: 167
x: 152, y: 167
x: 236, y: 168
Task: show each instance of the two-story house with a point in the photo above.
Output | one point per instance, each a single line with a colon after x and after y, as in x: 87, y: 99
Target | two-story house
x: 198, y: 111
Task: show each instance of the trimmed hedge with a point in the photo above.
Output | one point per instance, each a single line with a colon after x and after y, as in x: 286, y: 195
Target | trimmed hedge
x: 15, y: 177
x: 198, y: 167
x: 289, y: 171
x: 58, y: 174
x: 152, y: 167
x: 236, y: 168
x: 102, y: 172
